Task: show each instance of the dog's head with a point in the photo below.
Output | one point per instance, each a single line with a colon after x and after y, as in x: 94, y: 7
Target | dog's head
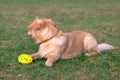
x: 42, y: 29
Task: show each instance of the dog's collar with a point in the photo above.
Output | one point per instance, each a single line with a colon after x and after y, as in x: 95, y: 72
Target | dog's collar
x: 49, y: 38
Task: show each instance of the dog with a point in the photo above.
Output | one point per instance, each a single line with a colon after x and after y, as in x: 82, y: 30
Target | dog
x: 55, y: 44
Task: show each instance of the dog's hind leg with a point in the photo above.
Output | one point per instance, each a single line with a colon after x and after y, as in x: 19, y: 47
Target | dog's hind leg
x: 91, y: 53
x: 90, y: 45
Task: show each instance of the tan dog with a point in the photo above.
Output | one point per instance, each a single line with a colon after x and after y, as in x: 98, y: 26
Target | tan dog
x: 54, y: 44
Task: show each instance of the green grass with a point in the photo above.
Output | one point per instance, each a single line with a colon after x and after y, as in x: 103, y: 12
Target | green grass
x: 100, y: 17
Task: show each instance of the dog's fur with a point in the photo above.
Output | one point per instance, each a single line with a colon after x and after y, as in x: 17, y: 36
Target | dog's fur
x: 54, y: 44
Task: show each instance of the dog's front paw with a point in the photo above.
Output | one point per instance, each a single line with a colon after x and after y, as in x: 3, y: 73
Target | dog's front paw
x: 48, y: 64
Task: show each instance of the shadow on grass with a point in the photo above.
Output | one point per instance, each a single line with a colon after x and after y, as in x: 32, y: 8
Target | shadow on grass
x: 76, y: 60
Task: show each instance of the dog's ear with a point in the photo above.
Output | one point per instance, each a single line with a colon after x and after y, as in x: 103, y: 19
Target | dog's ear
x: 52, y: 22
x: 51, y: 25
x: 46, y: 23
x: 40, y: 24
x: 49, y: 22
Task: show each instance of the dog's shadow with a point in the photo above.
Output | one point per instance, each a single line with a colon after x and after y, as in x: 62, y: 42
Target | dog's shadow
x: 78, y: 59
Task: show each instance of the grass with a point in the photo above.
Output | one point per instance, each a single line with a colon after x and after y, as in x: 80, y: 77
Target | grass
x: 100, y: 17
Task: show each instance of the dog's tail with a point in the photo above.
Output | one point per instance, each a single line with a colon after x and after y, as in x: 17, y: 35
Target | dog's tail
x: 104, y: 46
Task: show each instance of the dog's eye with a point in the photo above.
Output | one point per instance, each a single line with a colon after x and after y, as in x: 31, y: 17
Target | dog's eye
x: 37, y: 29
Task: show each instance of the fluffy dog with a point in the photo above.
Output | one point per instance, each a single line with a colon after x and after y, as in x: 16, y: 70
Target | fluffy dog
x: 55, y: 44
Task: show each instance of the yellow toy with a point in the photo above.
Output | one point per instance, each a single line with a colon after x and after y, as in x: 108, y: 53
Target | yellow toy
x: 25, y: 59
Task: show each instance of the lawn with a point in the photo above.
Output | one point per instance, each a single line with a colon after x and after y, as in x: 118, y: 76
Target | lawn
x: 99, y: 17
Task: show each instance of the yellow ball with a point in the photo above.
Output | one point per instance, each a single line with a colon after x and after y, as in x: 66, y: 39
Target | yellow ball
x: 24, y: 59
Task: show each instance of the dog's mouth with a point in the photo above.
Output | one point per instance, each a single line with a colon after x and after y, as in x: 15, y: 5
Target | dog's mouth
x: 37, y: 41
x: 30, y: 35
